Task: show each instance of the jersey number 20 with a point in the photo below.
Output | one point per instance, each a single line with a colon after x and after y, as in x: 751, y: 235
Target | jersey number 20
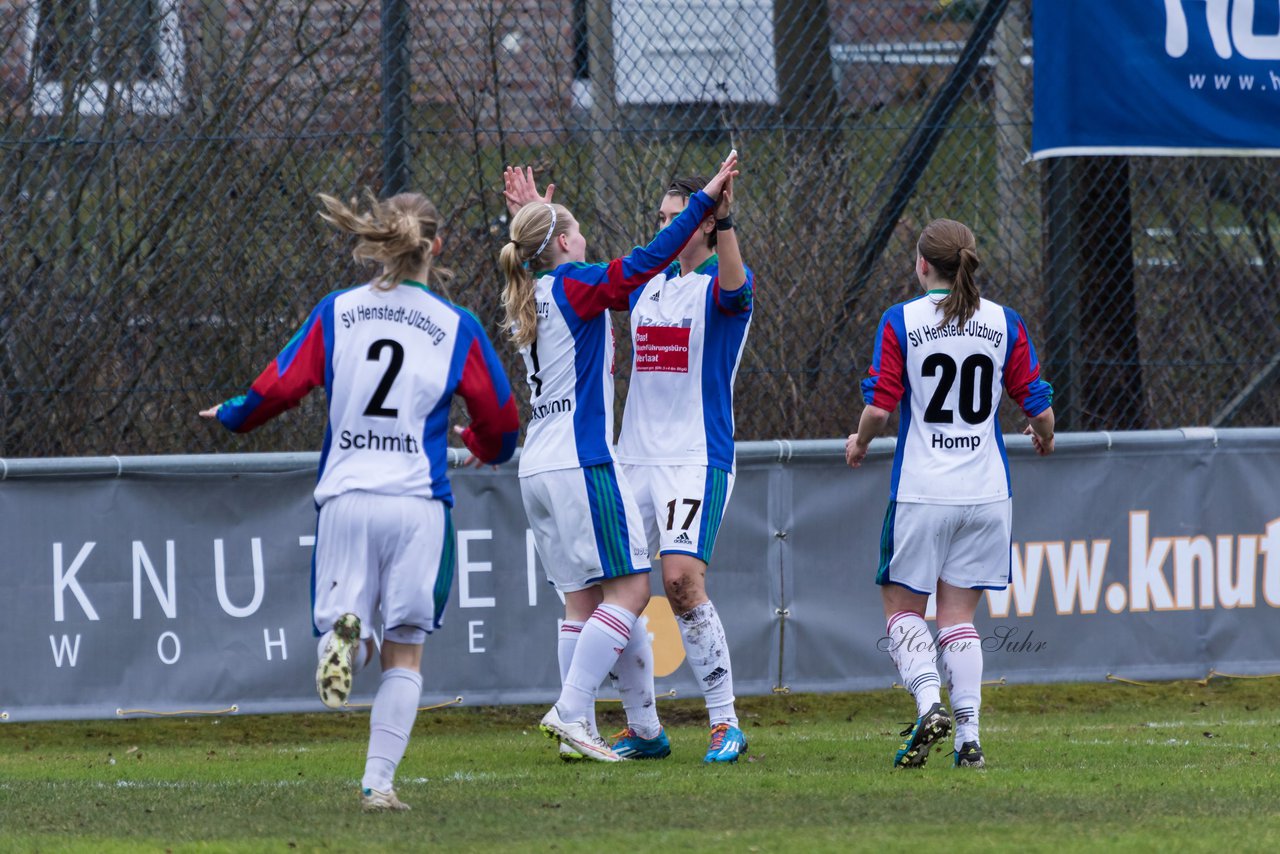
x: 976, y: 373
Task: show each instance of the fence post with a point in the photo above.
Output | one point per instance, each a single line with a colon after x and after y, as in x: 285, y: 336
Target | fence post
x: 604, y: 120
x: 396, y: 173
x: 1093, y: 358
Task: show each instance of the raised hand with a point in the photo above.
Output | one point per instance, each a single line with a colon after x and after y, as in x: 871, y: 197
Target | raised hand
x: 727, y: 172
x: 520, y: 188
x: 725, y: 206
x: 211, y: 412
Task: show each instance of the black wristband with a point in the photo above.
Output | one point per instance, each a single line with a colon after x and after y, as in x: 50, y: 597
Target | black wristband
x: 724, y: 224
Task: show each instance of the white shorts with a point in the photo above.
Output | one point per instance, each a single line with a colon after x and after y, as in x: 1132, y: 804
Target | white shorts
x: 585, y: 525
x: 393, y: 553
x: 966, y: 545
x: 682, y: 506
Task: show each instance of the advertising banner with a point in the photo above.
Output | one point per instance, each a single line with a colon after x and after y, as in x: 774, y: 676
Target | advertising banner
x: 164, y: 585
x: 1169, y: 77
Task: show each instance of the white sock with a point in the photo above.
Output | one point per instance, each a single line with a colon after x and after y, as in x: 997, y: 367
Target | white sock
x: 358, y: 661
x: 912, y: 650
x: 394, y: 709
x: 961, y: 650
x: 707, y: 650
x: 603, y: 638
x: 633, y: 675
x: 570, y: 631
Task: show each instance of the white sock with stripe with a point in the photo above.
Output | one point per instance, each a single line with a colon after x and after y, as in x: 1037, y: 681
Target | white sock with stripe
x: 633, y: 675
x: 603, y: 638
x: 570, y: 631
x: 707, y: 650
x: 912, y: 649
x: 394, y: 709
x: 961, y: 653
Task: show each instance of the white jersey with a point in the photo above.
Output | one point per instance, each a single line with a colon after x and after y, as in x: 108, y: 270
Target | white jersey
x: 570, y: 364
x: 949, y: 381
x: 391, y: 361
x: 688, y: 340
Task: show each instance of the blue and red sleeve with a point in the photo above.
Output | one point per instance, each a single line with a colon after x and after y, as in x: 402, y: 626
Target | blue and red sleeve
x: 1022, y: 369
x: 495, y: 421
x: 299, y: 368
x: 593, y: 288
x: 735, y: 302
x: 884, y: 384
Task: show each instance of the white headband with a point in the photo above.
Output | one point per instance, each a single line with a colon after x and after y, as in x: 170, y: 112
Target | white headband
x: 550, y: 231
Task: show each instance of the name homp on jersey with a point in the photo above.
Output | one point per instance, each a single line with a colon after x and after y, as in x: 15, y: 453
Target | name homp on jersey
x: 949, y: 380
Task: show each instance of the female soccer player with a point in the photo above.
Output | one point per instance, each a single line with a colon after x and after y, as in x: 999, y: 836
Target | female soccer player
x: 949, y: 353
x: 689, y: 327
x: 391, y: 354
x: 584, y: 519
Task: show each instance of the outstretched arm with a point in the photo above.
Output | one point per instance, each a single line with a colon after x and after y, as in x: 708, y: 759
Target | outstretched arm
x: 299, y: 368
x: 593, y: 289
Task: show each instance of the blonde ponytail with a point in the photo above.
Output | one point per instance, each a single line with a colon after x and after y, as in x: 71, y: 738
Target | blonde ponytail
x: 533, y: 231
x: 521, y: 320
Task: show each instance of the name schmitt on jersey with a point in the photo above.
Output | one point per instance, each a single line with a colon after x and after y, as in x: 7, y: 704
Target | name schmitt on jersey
x: 949, y: 380
x: 390, y: 362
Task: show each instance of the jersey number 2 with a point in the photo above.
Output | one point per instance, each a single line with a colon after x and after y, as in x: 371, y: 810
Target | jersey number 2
x: 376, y: 407
x: 975, y: 375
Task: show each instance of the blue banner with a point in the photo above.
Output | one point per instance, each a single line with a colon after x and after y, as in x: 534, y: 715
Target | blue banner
x: 1169, y: 77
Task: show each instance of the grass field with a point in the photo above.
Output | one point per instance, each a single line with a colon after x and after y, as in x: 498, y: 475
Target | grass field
x: 1181, y: 766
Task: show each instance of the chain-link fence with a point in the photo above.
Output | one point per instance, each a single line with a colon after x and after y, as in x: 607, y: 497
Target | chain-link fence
x: 161, y: 160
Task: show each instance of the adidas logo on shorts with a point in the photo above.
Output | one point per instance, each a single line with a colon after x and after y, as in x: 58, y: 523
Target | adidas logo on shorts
x: 656, y: 297
x: 683, y: 539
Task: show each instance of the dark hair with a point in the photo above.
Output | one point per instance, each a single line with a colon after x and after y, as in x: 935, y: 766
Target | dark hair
x: 950, y: 249
x: 686, y: 187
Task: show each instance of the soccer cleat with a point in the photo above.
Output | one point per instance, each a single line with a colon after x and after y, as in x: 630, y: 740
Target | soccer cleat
x: 970, y: 756
x: 578, y: 736
x: 568, y: 754
x: 727, y: 744
x: 333, y: 673
x: 371, y: 800
x: 629, y: 745
x: 920, y: 736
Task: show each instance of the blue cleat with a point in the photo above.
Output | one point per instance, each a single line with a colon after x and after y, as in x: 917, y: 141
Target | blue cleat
x: 727, y: 744
x: 920, y: 736
x: 629, y: 745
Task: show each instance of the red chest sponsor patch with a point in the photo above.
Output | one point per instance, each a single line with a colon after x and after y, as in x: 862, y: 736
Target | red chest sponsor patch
x: 662, y: 348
